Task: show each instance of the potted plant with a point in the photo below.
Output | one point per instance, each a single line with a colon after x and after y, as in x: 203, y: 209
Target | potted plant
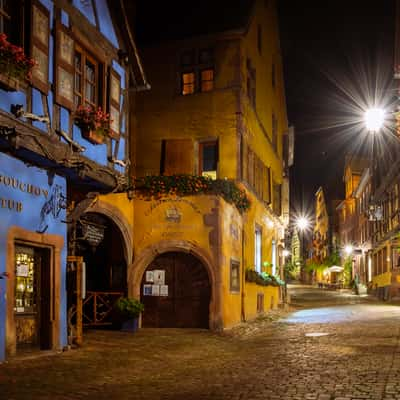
x: 127, y: 311
x: 15, y: 66
x: 94, y: 123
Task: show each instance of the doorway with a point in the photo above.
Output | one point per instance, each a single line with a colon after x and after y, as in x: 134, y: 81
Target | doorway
x: 176, y: 292
x: 101, y: 244
x: 32, y: 294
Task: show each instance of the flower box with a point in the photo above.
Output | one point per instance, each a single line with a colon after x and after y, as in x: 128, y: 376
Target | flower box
x: 93, y: 136
x: 15, y: 66
x: 94, y: 123
x: 9, y: 83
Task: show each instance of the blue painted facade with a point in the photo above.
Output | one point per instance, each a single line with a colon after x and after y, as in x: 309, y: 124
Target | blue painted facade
x: 116, y: 147
x: 44, y: 211
x: 35, y: 201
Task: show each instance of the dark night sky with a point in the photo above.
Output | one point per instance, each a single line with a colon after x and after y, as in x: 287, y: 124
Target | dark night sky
x: 332, y: 51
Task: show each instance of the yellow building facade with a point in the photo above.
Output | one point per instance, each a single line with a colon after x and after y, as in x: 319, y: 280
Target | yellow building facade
x: 216, y: 110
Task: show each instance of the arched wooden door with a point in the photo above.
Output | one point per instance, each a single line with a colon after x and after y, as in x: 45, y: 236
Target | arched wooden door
x: 176, y: 292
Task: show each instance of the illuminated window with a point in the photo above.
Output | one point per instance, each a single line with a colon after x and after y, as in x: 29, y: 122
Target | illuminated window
x: 196, y: 71
x: 208, y: 159
x: 235, y: 276
x: 207, y: 80
x: 188, y: 83
x: 25, y: 281
x: 86, y: 79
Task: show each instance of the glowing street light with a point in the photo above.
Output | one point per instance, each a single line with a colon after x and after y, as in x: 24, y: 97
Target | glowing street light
x: 374, y: 119
x: 302, y: 223
x: 285, y: 253
x: 348, y: 249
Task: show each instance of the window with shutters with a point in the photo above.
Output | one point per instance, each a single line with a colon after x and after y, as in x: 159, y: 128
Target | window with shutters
x: 86, y: 72
x: 256, y: 174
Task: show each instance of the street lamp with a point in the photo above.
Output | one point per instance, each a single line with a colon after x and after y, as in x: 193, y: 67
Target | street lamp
x: 374, y: 119
x: 302, y: 223
x: 348, y: 249
x: 285, y: 253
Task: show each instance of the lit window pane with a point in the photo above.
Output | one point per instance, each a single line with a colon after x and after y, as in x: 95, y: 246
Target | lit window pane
x: 207, y: 80
x: 188, y: 81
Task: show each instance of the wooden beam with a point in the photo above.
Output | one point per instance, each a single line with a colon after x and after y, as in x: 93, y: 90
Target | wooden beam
x: 60, y: 154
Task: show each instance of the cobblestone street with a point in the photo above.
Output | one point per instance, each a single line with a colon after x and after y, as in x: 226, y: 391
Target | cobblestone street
x: 348, y: 351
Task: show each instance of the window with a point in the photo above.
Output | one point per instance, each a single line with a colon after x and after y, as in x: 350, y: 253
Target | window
x: 257, y: 248
x: 235, y: 276
x: 86, y: 79
x: 188, y: 83
x: 196, y: 71
x: 256, y: 173
x: 208, y: 159
x: 207, y: 80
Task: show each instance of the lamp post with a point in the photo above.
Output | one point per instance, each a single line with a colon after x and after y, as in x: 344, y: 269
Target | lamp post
x: 302, y: 223
x: 374, y: 119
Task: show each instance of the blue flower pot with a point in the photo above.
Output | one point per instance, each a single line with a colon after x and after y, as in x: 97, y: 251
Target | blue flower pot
x: 131, y: 325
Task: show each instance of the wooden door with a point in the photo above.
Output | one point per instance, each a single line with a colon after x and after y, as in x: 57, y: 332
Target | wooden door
x: 187, y: 303
x: 32, y: 297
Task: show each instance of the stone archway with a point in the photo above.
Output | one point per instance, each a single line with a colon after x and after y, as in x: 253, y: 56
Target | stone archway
x: 101, y: 207
x: 148, y: 255
x: 107, y: 262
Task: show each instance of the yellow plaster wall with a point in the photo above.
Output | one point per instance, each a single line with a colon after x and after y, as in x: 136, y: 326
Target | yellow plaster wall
x: 152, y: 226
x: 269, y: 100
x: 251, y: 291
x: 231, y: 249
x: 165, y: 114
x: 382, y: 279
x: 122, y: 203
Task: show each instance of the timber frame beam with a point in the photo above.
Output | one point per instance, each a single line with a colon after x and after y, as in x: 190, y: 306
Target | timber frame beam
x: 24, y: 140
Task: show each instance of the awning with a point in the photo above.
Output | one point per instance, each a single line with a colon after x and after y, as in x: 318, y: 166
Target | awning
x: 335, y: 268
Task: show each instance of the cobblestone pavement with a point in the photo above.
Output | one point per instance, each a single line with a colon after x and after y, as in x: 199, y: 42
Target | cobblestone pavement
x: 353, y: 355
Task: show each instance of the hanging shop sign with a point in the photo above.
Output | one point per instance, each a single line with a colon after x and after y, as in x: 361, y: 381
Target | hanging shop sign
x: 93, y: 233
